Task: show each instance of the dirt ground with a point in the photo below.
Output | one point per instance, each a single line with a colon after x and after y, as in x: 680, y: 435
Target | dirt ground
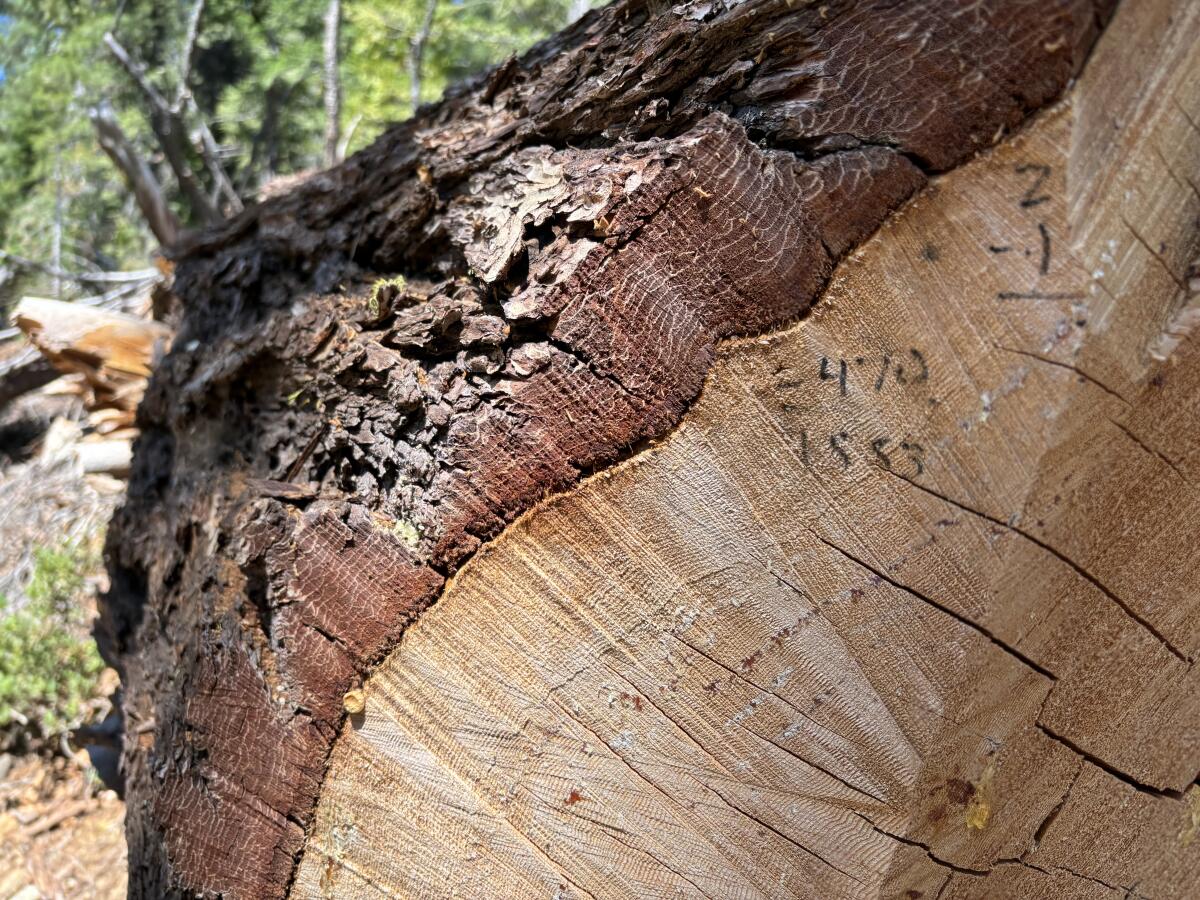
x: 62, y: 834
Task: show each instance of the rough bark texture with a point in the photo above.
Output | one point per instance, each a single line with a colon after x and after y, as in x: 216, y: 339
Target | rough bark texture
x: 379, y: 371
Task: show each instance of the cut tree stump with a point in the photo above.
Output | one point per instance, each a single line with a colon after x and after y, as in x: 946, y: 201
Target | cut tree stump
x: 682, y: 464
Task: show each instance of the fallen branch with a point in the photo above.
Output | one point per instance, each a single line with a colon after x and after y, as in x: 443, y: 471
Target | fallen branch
x: 52, y: 820
x: 24, y: 262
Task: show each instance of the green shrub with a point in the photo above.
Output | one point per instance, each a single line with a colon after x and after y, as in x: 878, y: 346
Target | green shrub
x: 49, y: 664
x: 58, y: 577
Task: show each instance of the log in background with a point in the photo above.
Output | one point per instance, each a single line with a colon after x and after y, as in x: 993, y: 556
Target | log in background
x: 903, y: 605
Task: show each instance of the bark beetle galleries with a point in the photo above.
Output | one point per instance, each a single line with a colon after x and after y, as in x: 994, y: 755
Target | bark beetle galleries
x: 379, y: 371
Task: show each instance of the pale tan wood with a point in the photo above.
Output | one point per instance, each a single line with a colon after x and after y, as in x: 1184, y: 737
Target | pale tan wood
x: 105, y: 355
x: 74, y: 336
x: 734, y: 667
x: 109, y: 457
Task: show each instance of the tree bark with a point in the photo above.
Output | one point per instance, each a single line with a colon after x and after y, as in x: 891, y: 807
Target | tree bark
x: 844, y: 601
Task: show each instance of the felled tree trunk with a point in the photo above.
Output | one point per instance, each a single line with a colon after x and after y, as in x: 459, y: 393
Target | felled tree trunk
x: 675, y: 466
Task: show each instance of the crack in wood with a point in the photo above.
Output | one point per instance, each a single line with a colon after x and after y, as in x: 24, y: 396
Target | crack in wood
x: 1057, y: 554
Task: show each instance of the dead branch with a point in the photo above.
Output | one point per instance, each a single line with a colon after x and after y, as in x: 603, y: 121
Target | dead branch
x: 212, y: 160
x: 146, y: 190
x: 169, y: 128
x: 188, y: 56
x: 185, y: 102
x: 24, y: 262
x: 344, y: 144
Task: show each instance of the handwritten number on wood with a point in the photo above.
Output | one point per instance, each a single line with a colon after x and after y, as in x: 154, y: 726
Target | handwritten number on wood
x: 922, y: 374
x: 1033, y: 196
x: 883, y: 370
x: 825, y: 375
x: 916, y: 455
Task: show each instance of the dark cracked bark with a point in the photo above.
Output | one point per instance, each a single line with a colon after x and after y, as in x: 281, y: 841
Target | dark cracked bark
x: 379, y: 371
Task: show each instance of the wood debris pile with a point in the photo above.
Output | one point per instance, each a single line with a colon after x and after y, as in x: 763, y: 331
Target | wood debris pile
x: 71, y: 377
x: 105, y: 357
x: 100, y: 356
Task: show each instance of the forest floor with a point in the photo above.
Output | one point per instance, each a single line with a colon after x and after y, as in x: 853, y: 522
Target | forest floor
x: 62, y: 834
x: 61, y: 830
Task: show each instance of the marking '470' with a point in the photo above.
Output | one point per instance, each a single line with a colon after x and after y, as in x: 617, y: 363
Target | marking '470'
x: 870, y: 373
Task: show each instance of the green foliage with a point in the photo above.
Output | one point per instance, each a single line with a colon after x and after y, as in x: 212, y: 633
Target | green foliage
x: 467, y: 36
x: 57, y: 576
x: 55, y: 67
x: 49, y: 665
x: 256, y: 79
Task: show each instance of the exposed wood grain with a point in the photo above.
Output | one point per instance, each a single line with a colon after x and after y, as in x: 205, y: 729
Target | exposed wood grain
x: 121, y: 344
x: 926, y: 628
x: 522, y: 286
x: 109, y: 354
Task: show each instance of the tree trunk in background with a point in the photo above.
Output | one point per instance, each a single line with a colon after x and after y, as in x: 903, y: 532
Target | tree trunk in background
x: 333, y: 87
x: 416, y: 55
x: 903, y: 603
x: 56, y: 237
